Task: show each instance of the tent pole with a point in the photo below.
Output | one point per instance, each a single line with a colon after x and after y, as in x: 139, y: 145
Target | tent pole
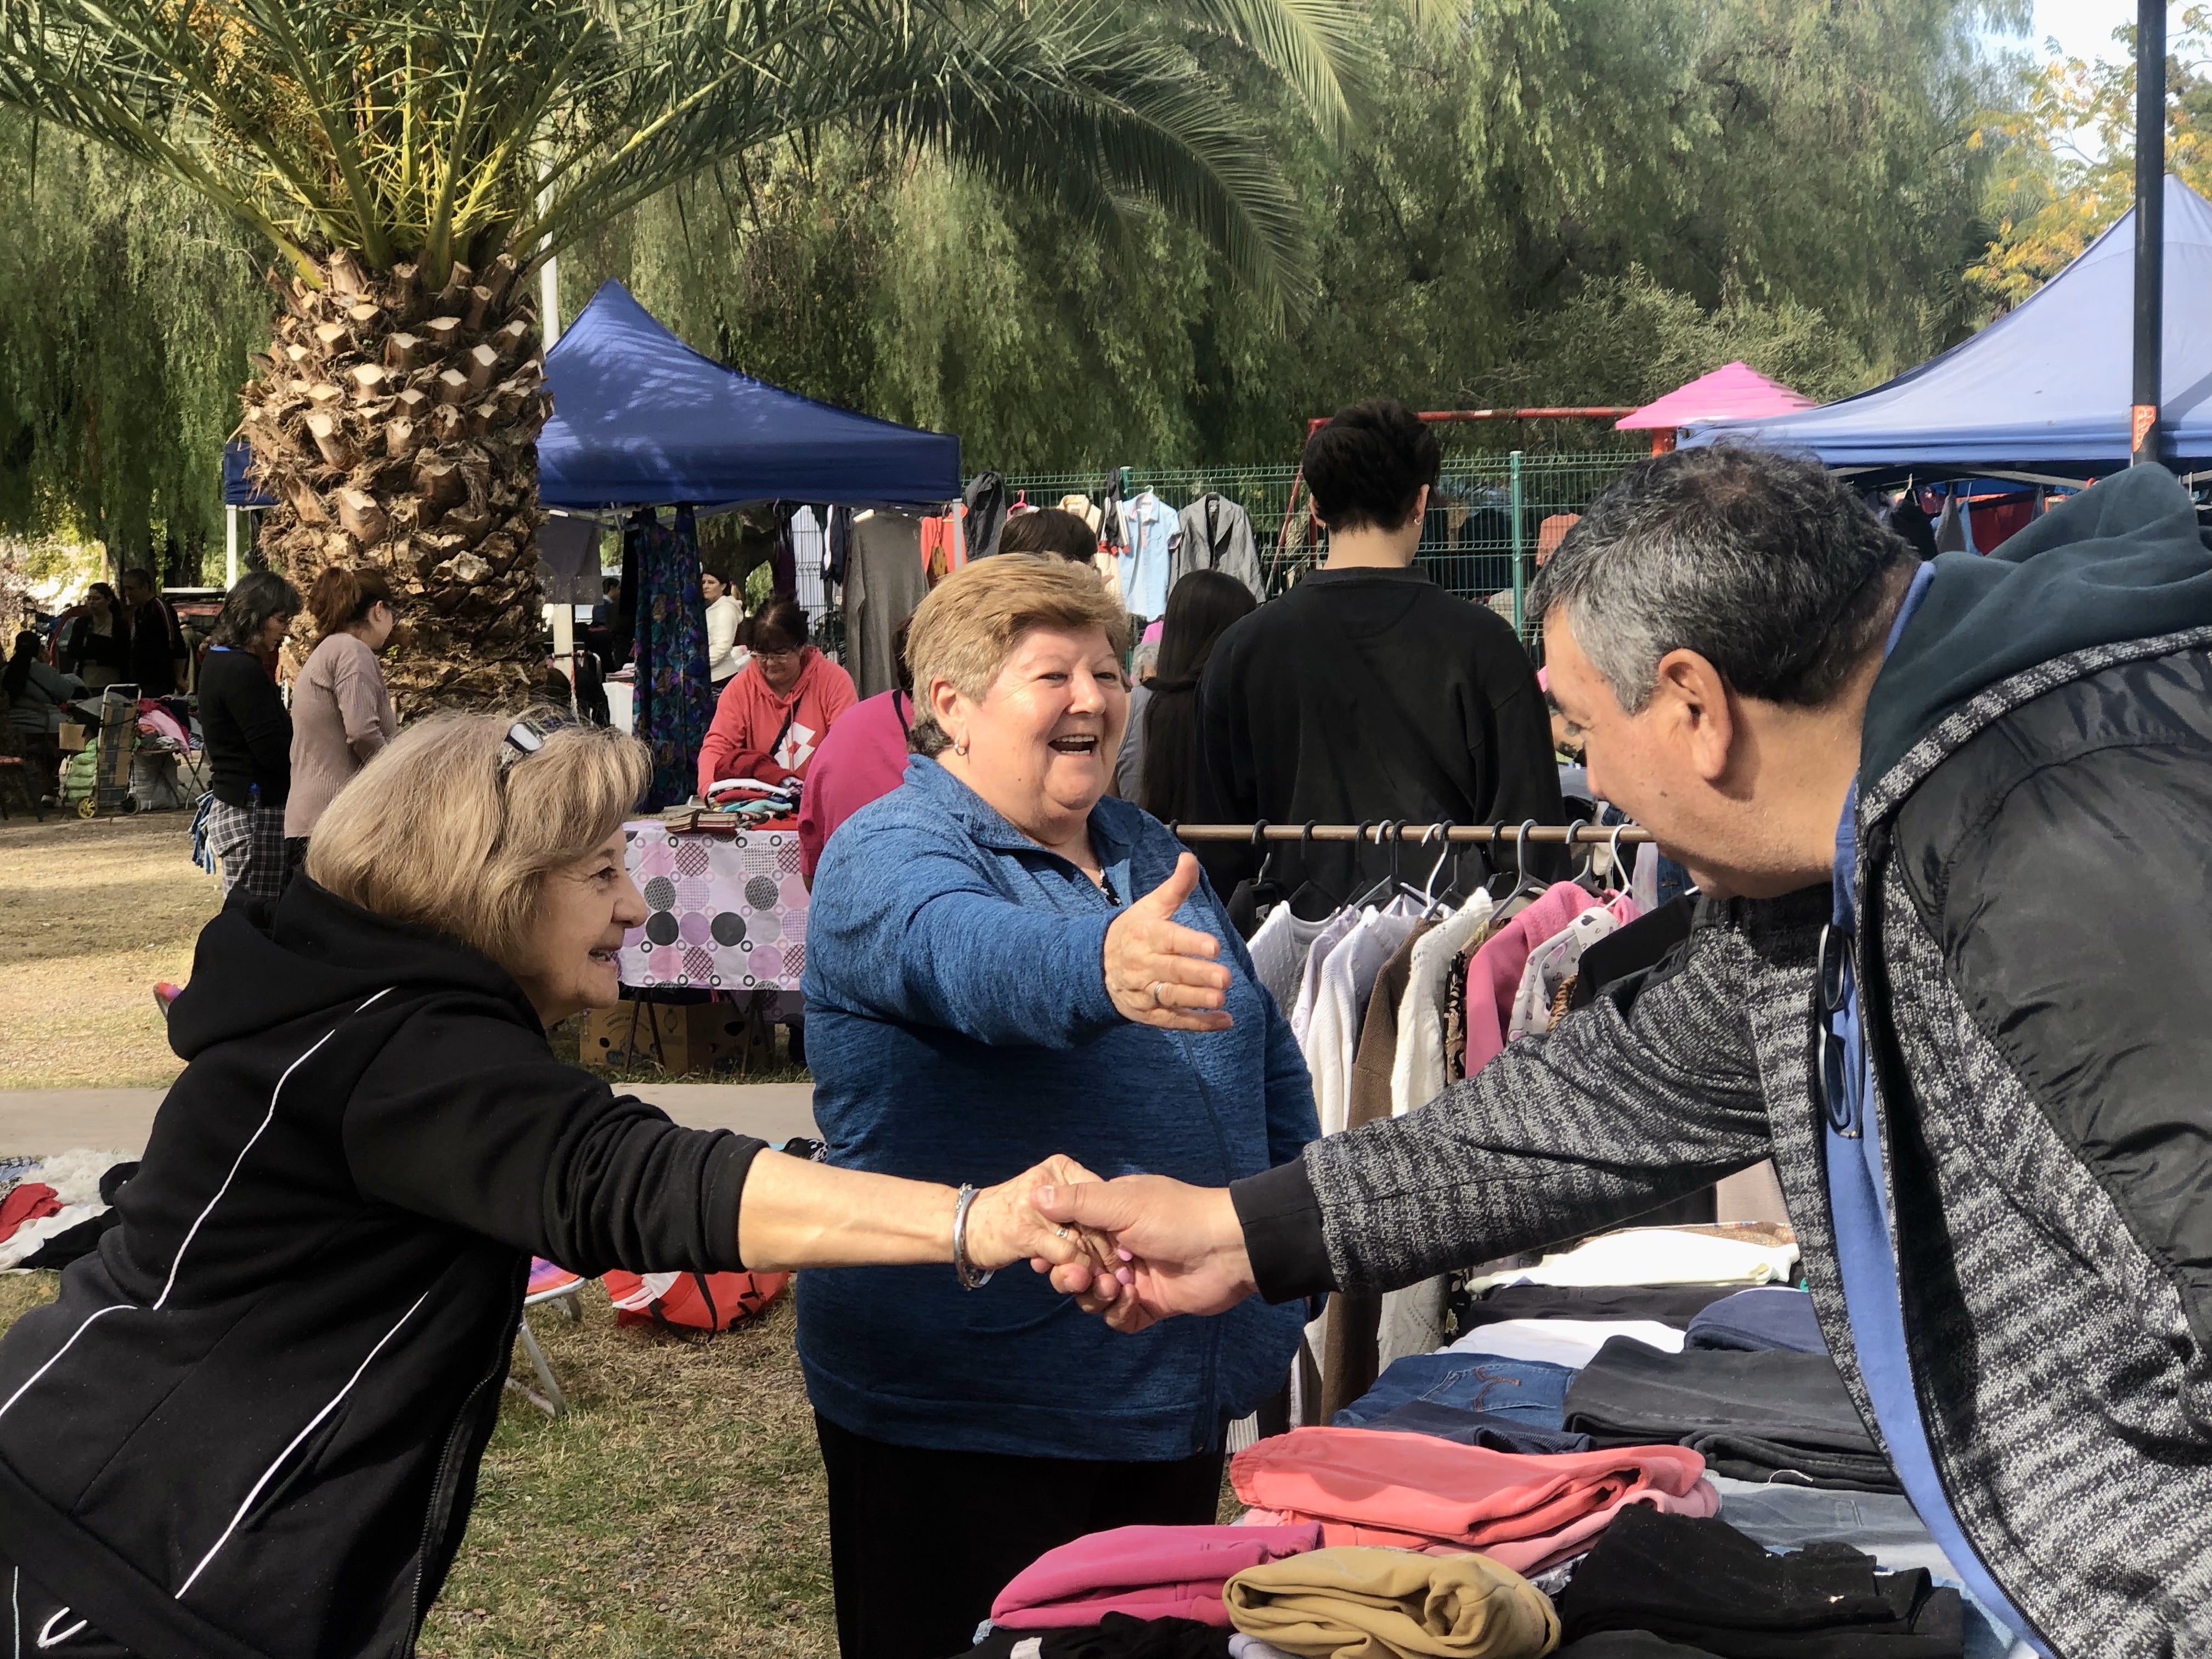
x: 2150, y: 224
x: 229, y: 547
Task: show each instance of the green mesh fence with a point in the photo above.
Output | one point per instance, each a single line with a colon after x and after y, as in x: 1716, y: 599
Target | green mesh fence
x: 1479, y: 540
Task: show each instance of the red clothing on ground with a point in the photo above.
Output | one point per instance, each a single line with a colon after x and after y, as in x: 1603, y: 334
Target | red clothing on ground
x: 862, y: 759
x: 750, y: 716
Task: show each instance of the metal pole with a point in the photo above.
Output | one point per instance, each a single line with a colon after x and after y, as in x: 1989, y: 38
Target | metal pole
x: 2150, y: 225
x: 1518, y: 538
x: 229, y: 547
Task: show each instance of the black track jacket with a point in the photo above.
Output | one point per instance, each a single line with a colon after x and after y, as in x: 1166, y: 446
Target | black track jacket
x: 251, y: 1424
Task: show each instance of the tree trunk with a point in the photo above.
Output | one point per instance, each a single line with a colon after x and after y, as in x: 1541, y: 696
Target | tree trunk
x: 368, y: 469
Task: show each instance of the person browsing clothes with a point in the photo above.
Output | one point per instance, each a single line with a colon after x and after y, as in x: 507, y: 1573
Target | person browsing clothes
x: 251, y: 1422
x: 1948, y: 972
x: 777, y: 708
x: 1000, y: 956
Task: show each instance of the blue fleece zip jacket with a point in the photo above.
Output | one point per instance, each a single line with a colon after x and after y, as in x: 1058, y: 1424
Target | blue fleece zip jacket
x: 959, y: 1030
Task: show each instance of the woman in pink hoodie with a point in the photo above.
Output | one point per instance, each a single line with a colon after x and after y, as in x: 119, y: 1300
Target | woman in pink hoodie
x: 775, y: 711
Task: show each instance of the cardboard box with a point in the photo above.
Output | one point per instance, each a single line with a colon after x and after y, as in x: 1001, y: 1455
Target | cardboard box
x: 74, y: 738
x: 682, y: 1039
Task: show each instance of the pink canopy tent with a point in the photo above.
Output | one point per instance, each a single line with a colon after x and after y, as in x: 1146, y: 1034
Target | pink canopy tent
x: 1734, y: 391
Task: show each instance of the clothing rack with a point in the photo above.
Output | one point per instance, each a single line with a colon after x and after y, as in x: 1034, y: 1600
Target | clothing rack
x: 1388, y: 830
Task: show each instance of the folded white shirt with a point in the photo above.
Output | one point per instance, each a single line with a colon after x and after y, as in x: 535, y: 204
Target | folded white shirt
x: 1563, y: 1341
x: 1655, y: 1256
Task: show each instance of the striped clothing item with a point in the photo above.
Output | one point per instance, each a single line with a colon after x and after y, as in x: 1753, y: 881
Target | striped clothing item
x: 249, y: 840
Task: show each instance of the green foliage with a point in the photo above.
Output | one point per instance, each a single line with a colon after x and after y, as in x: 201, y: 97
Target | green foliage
x: 126, y: 311
x: 1559, y: 201
x: 2065, y: 157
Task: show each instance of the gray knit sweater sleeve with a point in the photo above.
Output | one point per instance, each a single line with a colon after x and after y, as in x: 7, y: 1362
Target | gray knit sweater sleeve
x: 1649, y: 1093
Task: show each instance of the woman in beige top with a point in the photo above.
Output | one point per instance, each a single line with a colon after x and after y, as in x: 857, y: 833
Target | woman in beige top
x: 341, y: 712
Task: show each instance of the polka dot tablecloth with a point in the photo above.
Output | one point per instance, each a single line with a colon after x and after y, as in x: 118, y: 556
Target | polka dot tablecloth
x: 723, y: 912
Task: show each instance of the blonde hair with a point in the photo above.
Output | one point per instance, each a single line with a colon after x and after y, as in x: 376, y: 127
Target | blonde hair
x: 971, y: 622
x: 429, y: 831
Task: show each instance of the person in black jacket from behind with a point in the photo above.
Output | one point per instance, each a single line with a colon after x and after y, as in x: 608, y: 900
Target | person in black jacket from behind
x: 251, y: 1424
x: 1367, y: 691
x: 248, y: 735
x: 157, y: 642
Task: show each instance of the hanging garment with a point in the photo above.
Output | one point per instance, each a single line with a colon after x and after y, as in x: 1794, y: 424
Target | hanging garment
x: 837, y: 544
x: 1633, y: 949
x: 674, y: 699
x: 985, y: 504
x: 1113, y: 536
x: 1769, y: 1316
x: 1702, y: 1583
x: 1656, y: 1256
x: 1215, y: 534
x: 1570, y: 1342
x: 568, y: 560
x: 884, y: 582
x: 1418, y: 1073
x: 1347, y: 980
x: 1361, y: 1602
x: 1084, y: 508
x: 1334, y: 932
x: 1279, y: 952
x: 942, y: 549
x: 1772, y: 1415
x: 1351, y: 1359
x: 1147, y: 1573
x: 1493, y: 977
x: 809, y: 552
x: 1550, y: 966
x: 1153, y: 533
x: 1415, y: 1491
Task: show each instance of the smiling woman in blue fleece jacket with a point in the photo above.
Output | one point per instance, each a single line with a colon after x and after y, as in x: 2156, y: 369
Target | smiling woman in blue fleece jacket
x: 992, y: 973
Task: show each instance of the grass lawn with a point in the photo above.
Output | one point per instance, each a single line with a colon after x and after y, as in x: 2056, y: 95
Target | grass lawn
x: 676, y: 1511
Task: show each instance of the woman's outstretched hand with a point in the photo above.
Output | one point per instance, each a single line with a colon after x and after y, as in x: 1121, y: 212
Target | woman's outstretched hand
x: 1159, y: 972
x: 1179, y: 1248
x: 1004, y: 1226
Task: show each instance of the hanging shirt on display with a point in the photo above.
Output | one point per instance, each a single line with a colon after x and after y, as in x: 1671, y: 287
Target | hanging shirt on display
x: 1153, y: 531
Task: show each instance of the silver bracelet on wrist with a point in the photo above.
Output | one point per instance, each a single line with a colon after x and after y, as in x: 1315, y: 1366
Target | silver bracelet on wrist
x: 970, y: 1278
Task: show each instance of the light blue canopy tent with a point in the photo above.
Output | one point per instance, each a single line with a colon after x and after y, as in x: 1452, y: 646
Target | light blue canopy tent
x: 2043, y: 390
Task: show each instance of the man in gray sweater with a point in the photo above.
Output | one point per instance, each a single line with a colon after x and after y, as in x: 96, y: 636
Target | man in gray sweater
x: 1949, y: 971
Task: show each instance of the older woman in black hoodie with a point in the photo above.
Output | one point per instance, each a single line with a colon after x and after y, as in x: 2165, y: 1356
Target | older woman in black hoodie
x: 251, y: 1424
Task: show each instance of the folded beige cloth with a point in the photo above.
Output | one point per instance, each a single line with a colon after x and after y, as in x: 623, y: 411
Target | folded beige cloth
x: 1355, y: 1603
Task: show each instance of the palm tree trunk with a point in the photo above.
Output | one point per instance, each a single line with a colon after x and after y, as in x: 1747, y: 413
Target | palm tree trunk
x: 396, y: 427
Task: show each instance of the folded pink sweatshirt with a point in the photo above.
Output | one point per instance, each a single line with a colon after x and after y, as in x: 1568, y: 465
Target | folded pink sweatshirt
x: 1493, y: 975
x: 1147, y: 1572
x: 1413, y: 1492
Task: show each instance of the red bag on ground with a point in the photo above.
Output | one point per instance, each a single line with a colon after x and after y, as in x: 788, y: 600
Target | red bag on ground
x: 690, y: 1302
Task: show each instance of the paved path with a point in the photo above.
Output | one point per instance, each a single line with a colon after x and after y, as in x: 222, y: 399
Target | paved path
x: 115, y: 1120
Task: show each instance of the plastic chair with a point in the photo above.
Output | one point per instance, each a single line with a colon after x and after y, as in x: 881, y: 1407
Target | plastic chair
x: 548, y: 1283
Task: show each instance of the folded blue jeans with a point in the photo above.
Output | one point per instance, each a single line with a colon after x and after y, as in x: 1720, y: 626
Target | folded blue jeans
x: 1465, y: 1428
x: 1526, y: 1390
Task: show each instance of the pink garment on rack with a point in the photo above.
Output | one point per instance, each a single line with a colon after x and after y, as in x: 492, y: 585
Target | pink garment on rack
x: 1147, y: 1572
x: 1525, y: 1511
x: 1493, y: 977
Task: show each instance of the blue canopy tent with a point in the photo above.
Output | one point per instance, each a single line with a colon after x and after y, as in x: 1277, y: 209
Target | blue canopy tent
x: 641, y: 419
x: 2043, y: 392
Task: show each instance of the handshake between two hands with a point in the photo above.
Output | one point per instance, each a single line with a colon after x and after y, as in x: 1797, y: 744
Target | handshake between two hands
x: 1137, y: 1251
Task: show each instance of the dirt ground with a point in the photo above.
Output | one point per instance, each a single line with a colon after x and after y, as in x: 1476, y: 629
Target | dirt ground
x: 92, y: 913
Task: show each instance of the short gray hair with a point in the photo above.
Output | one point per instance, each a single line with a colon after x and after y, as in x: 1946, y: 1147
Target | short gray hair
x: 1763, y: 564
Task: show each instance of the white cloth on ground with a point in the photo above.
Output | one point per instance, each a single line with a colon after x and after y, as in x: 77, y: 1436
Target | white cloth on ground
x: 1655, y: 1256
x: 1571, y: 1342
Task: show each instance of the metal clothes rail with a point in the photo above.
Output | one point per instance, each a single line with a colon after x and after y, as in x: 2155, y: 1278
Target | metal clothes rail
x: 1382, y: 832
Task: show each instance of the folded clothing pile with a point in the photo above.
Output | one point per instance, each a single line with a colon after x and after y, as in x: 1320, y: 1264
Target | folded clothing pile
x: 1144, y: 1572
x: 1768, y: 1415
x: 1768, y: 1316
x: 1703, y: 1584
x: 1352, y: 1603
x: 54, y: 1209
x: 1414, y: 1491
x: 1662, y: 1255
x: 752, y: 800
